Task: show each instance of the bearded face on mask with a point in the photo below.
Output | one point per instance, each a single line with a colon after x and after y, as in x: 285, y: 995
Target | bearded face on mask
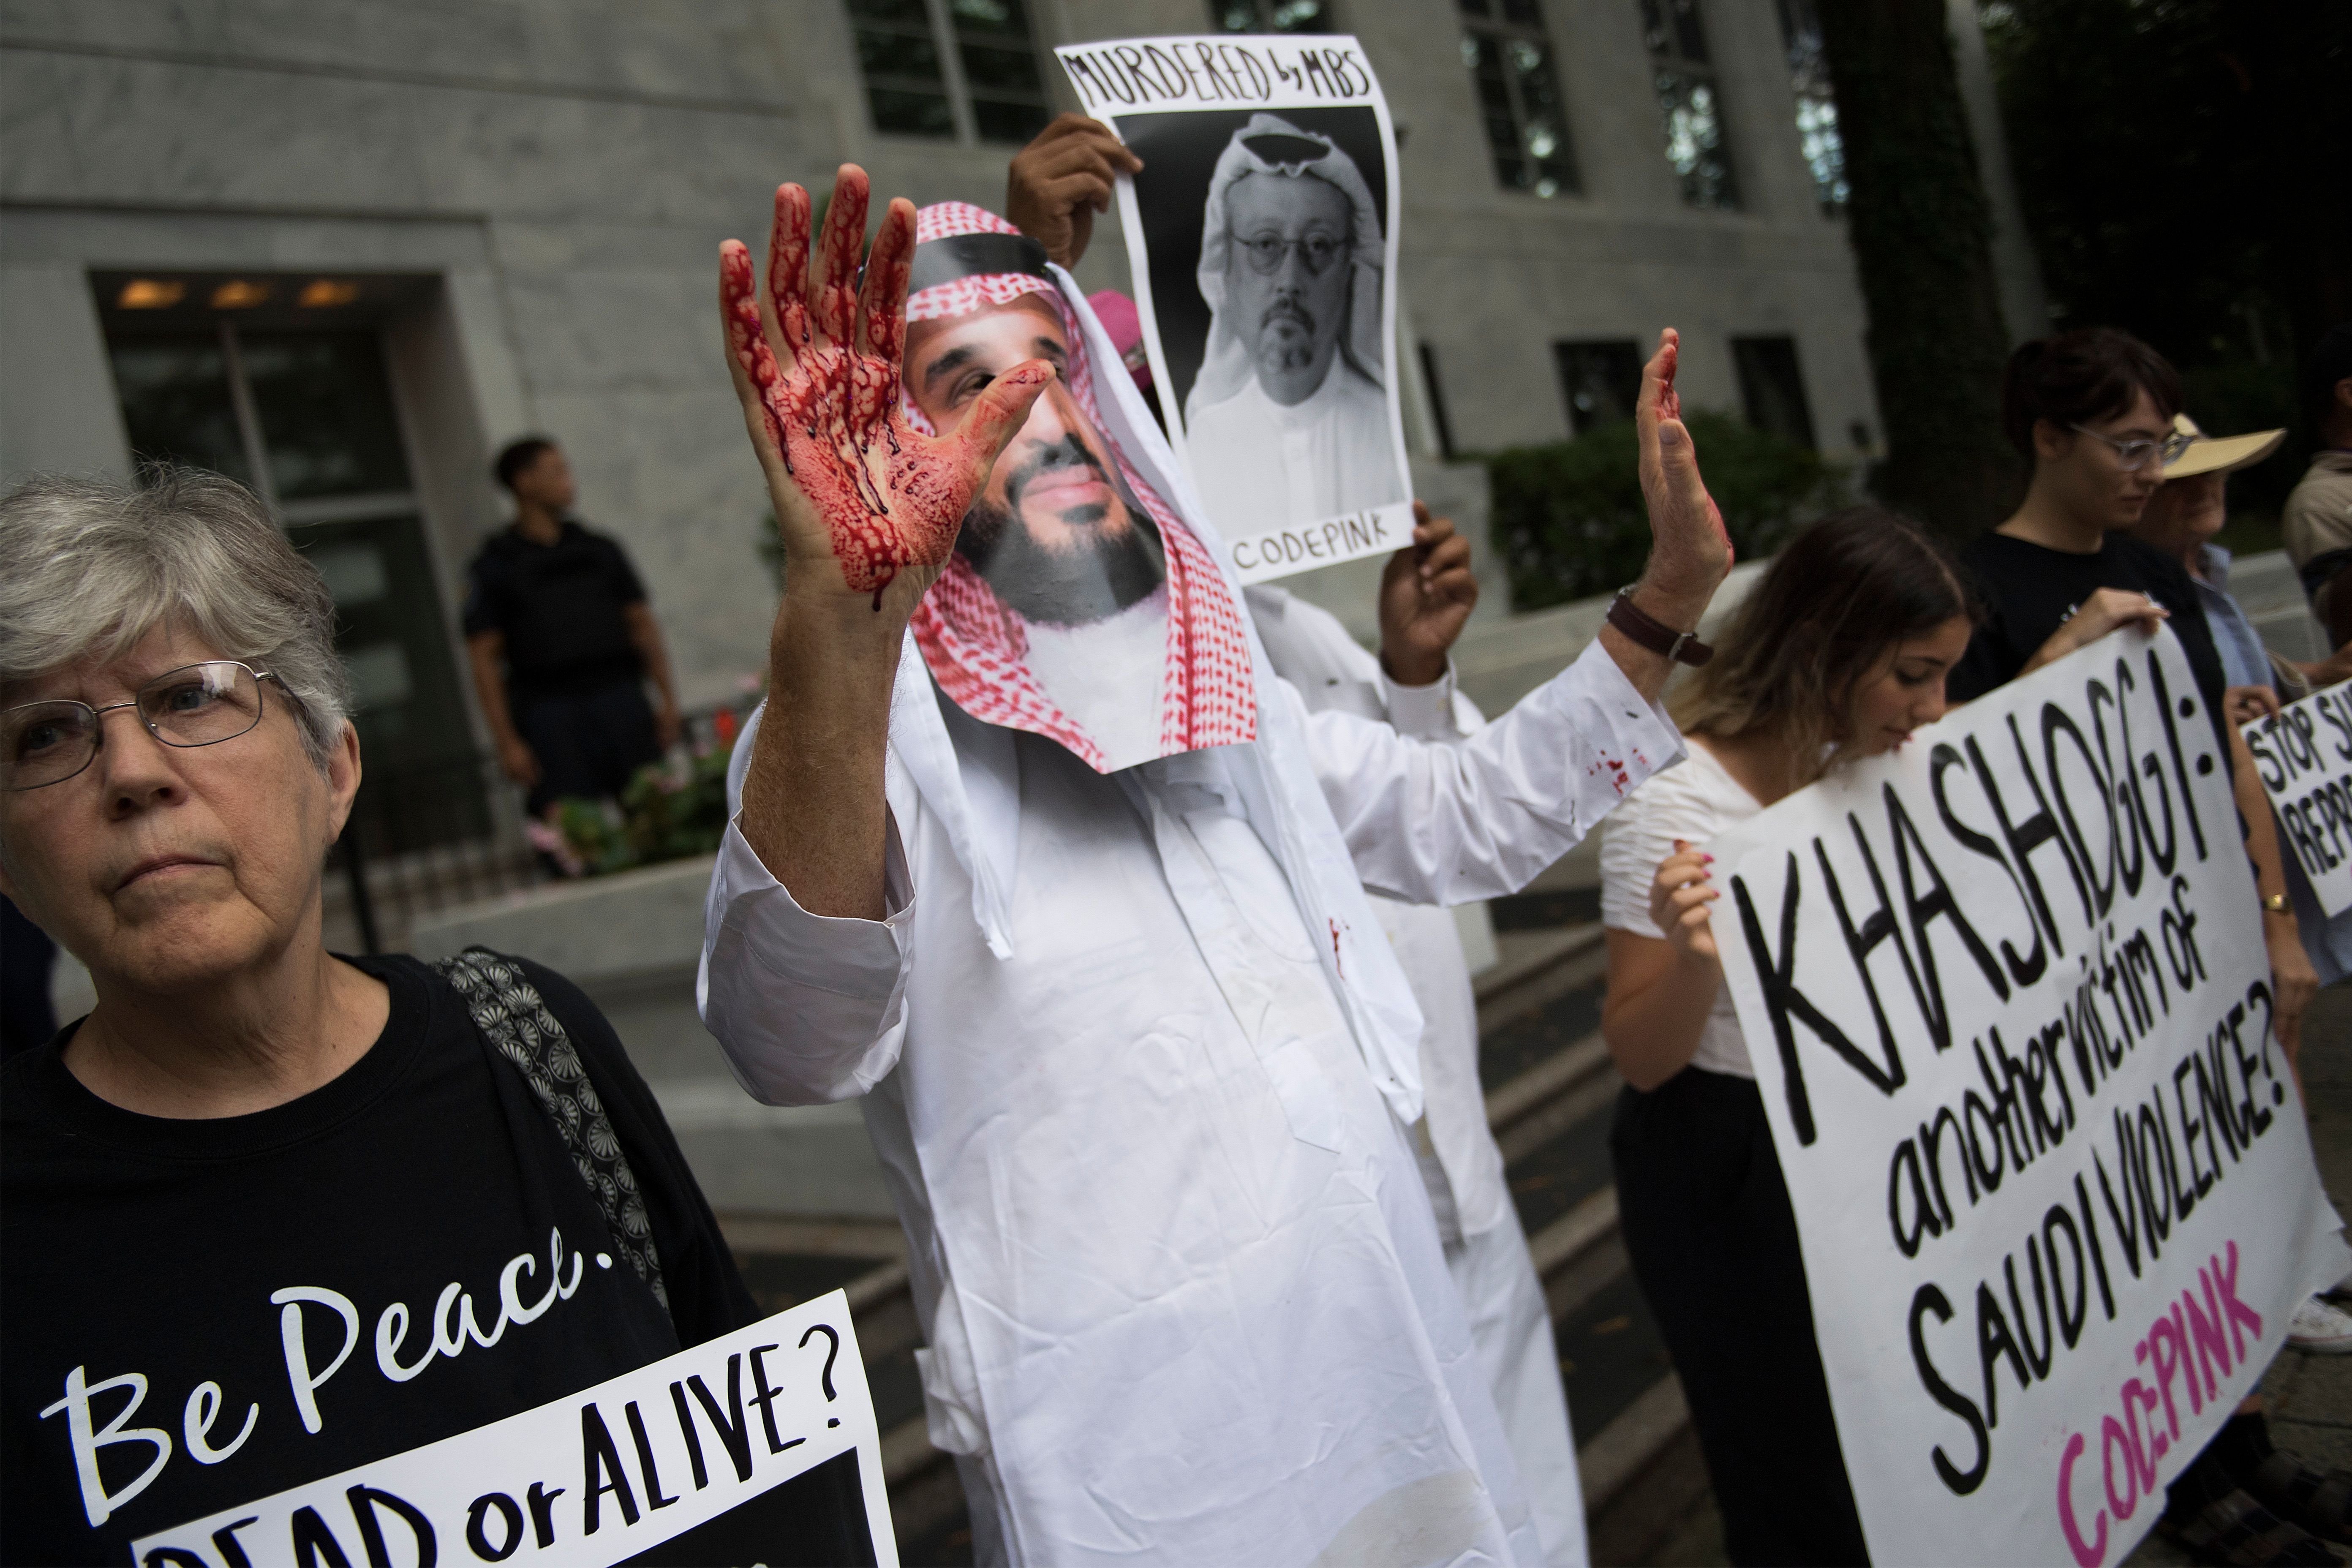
x: 1055, y: 533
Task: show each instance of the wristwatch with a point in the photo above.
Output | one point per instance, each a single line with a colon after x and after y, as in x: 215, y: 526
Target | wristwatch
x: 1682, y: 647
x: 2276, y: 903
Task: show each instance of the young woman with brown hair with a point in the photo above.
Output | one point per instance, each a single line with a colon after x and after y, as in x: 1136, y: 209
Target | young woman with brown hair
x: 1840, y: 652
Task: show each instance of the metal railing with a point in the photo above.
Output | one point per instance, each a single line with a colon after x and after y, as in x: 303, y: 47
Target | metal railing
x: 422, y: 837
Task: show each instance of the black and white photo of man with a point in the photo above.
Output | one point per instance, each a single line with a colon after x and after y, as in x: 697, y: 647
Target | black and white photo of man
x: 1288, y: 421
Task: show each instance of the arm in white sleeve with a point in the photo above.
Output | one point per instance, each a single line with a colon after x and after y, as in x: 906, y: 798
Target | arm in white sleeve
x: 1437, y: 711
x: 1479, y: 818
x: 807, y: 1007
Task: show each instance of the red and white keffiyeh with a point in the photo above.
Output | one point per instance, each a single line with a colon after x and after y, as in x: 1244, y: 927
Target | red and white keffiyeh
x: 977, y: 649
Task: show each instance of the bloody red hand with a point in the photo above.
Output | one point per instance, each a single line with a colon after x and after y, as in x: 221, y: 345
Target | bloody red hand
x: 1670, y: 476
x: 816, y: 362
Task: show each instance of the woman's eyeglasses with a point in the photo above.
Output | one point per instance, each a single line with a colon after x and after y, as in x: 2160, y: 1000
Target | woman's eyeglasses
x: 196, y: 705
x: 2133, y: 455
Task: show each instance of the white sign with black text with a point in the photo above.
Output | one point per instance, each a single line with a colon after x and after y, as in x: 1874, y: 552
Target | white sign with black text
x: 2304, y: 756
x: 1263, y: 238
x: 715, y: 1455
x: 2006, y: 995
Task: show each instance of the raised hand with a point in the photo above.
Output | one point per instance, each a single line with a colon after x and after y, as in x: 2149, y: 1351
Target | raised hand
x: 1690, y: 550
x: 1426, y: 595
x: 862, y: 500
x: 1062, y: 179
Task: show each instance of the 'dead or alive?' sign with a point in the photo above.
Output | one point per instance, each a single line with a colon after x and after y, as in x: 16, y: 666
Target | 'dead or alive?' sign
x: 2304, y: 756
x: 2007, y: 1000
x: 1261, y: 235
x: 719, y: 1454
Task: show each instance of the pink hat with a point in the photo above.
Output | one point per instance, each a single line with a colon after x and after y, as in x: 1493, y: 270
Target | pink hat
x: 1117, y: 314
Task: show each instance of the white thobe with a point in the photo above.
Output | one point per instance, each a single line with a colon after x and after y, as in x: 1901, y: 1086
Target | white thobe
x: 1139, y: 1080
x: 1486, y: 1249
x: 1261, y: 465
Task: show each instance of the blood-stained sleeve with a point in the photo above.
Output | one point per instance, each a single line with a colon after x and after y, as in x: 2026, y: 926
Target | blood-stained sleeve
x: 1479, y: 818
x: 807, y: 1007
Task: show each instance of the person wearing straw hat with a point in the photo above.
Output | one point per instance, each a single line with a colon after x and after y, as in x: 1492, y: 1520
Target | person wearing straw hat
x: 2179, y: 522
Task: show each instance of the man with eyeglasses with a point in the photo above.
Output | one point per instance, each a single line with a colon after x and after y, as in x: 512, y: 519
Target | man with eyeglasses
x: 1288, y: 420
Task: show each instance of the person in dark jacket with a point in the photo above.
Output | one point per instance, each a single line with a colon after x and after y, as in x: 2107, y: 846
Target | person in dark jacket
x: 562, y: 642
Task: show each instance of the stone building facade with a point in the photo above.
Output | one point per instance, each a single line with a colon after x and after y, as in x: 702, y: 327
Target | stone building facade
x: 350, y: 247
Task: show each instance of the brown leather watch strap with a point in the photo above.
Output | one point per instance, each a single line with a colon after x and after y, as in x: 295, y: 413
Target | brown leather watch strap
x: 1682, y: 647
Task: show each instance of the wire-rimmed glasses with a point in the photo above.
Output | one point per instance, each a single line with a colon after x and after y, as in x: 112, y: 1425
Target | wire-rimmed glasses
x: 2132, y: 456
x: 1316, y: 251
x: 195, y: 705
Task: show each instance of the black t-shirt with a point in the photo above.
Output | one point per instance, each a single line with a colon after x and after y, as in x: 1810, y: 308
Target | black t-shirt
x: 2030, y: 591
x: 149, y: 1262
x: 560, y: 606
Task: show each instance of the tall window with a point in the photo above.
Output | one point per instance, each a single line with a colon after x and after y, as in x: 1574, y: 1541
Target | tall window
x: 1817, y: 116
x: 1603, y: 380
x: 1689, y: 103
x: 1771, y: 389
x: 1271, y: 17
x: 1509, y: 53
x: 960, y: 69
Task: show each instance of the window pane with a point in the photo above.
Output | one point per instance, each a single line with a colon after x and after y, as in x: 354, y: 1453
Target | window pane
x: 175, y: 404
x: 1523, y: 13
x: 1771, y: 389
x: 1001, y: 70
x: 1603, y: 380
x: 1688, y: 36
x: 325, y: 406
x: 1695, y: 141
x: 911, y: 113
x: 1824, y: 149
x: 1519, y: 102
x: 1002, y: 19
x: 1544, y: 128
x: 911, y: 14
x: 1013, y: 122
x: 1234, y: 15
x: 897, y: 55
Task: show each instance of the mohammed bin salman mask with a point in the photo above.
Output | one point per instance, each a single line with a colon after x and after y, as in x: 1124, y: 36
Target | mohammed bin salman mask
x: 1077, y: 605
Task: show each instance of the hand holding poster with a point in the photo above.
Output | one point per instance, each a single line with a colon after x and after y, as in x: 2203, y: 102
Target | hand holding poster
x: 1262, y: 236
x: 709, y: 1456
x: 2007, y: 1001
x: 2304, y: 756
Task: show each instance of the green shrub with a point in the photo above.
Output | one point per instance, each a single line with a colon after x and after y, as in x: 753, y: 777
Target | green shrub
x: 1569, y: 517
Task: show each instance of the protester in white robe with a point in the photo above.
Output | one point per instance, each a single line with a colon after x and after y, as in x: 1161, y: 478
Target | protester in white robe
x: 1135, y: 1057
x: 1288, y: 421
x: 1460, y: 1167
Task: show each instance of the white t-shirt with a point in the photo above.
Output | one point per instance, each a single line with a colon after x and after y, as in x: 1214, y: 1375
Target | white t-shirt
x: 1693, y: 803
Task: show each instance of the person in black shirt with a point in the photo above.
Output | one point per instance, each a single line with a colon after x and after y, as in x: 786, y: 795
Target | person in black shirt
x: 2092, y: 411
x: 266, y: 1214
x: 561, y: 608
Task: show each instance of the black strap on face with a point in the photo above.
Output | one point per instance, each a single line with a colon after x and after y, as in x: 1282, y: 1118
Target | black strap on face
x: 938, y: 261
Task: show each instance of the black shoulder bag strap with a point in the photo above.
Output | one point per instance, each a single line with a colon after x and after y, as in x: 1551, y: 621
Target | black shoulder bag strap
x: 513, y: 1015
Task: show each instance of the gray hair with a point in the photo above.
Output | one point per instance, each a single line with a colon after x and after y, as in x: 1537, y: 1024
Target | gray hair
x: 93, y: 567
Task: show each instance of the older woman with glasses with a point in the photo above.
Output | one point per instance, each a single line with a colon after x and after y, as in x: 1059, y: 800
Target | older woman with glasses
x: 272, y: 1213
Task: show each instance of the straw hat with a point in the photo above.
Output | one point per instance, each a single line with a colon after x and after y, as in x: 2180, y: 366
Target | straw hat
x: 2203, y: 454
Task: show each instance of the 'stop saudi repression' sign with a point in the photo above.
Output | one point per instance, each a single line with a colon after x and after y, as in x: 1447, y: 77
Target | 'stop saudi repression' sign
x: 2303, y: 757
x: 2009, y: 1012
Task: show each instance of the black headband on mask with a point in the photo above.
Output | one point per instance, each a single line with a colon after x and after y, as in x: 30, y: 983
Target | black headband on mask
x: 938, y: 261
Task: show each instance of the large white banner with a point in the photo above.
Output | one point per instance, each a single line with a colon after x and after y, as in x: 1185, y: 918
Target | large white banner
x: 718, y: 1453
x: 1261, y: 235
x: 2010, y: 1012
x: 2304, y: 757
